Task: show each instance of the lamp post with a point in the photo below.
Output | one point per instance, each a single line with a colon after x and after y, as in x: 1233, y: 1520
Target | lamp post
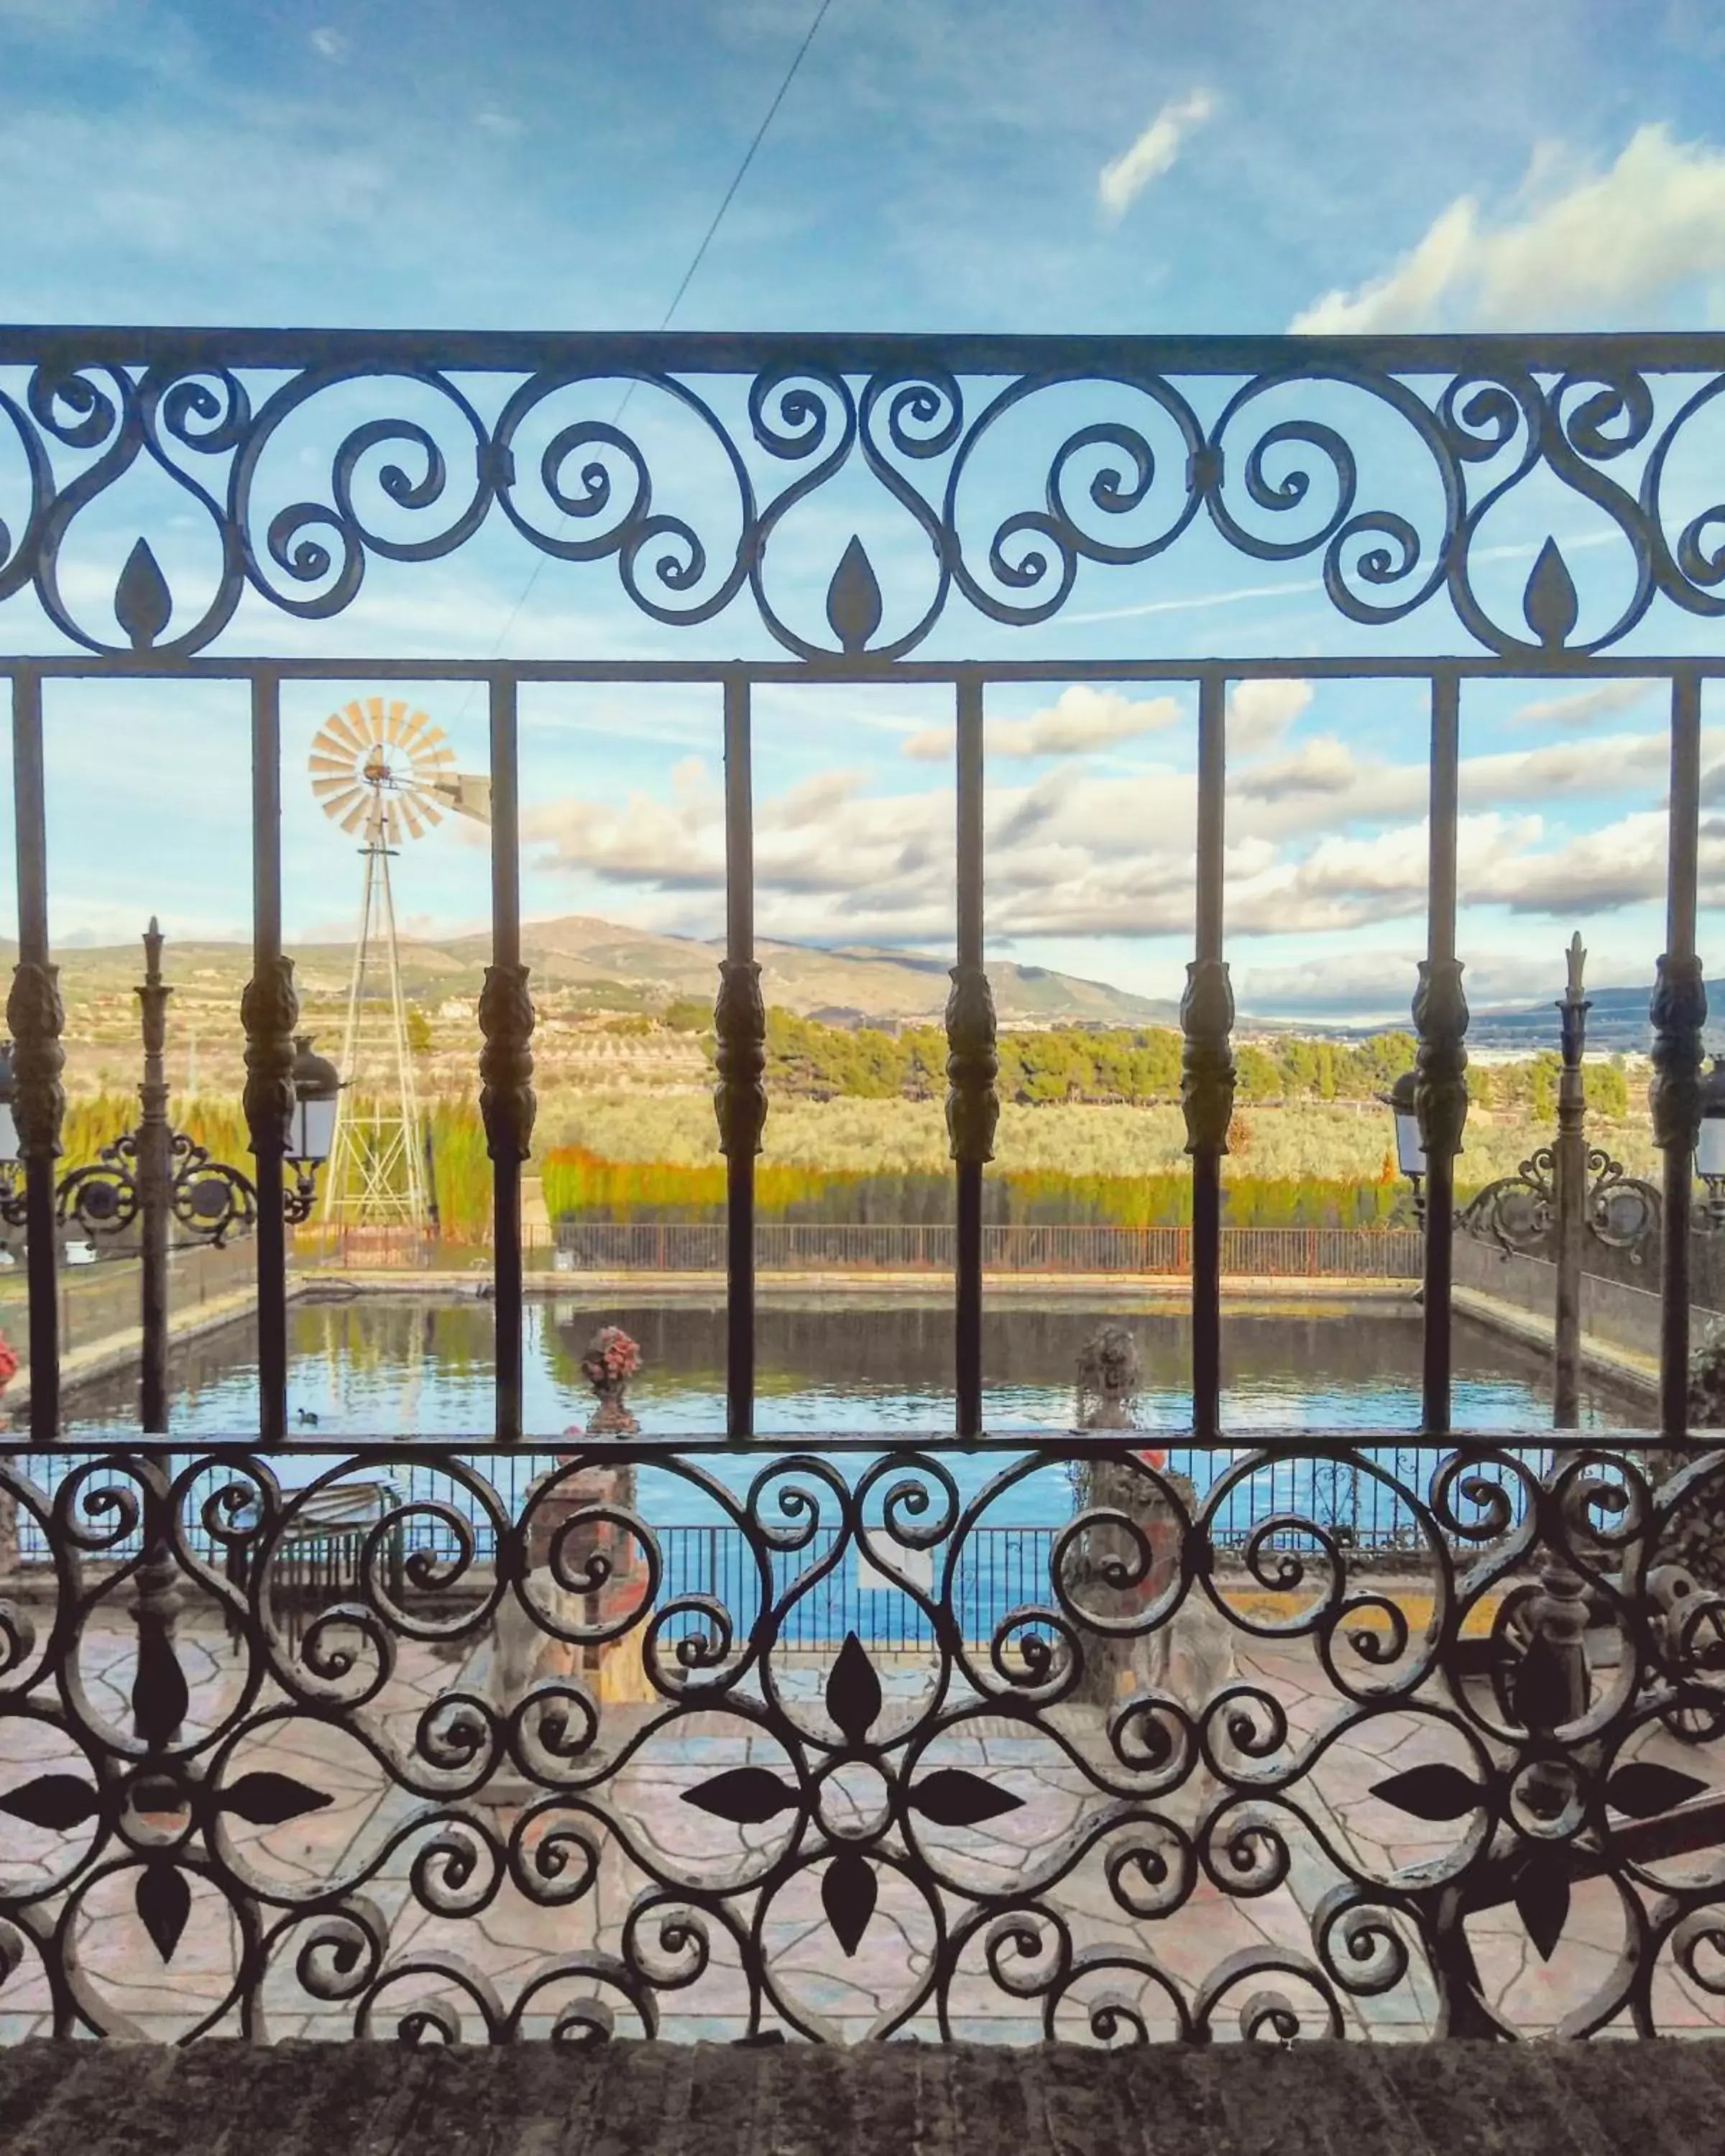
x: 155, y: 1179
x: 1568, y: 1192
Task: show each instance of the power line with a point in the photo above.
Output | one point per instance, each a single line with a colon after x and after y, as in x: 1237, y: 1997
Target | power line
x: 699, y: 256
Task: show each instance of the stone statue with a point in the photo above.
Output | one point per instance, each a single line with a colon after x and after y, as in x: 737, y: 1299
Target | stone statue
x: 1193, y: 1656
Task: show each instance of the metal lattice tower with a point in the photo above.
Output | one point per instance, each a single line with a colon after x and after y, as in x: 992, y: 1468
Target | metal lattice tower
x: 384, y: 772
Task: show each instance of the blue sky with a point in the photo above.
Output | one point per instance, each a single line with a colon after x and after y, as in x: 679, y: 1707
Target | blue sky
x: 1106, y: 168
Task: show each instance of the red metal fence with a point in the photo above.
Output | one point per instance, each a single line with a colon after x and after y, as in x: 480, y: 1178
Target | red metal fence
x: 685, y: 1246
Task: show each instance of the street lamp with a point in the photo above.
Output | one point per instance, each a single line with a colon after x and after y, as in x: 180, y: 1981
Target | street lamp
x: 207, y: 1197
x: 317, y: 1086
x: 1409, y: 1152
x: 1710, y: 1145
x: 1569, y: 1191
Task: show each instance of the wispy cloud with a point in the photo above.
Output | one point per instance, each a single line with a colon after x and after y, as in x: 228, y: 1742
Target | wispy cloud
x: 1584, y: 705
x: 1120, y: 184
x: 1079, y: 719
x: 1609, y: 244
x: 330, y: 44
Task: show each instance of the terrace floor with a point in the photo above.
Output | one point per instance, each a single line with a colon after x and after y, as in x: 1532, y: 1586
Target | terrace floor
x: 1657, y: 2098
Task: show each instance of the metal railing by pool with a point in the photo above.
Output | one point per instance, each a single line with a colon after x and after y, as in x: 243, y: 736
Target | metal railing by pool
x: 1292, y: 1501
x: 815, y: 1246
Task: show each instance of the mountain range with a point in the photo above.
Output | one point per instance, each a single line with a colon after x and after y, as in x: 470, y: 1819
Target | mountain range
x: 601, y: 965
x: 581, y: 963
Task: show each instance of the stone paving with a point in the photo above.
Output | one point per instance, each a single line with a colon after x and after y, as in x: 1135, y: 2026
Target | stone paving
x: 506, y: 1936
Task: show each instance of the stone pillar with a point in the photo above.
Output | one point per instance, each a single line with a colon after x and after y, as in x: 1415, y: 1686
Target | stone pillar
x: 522, y: 1651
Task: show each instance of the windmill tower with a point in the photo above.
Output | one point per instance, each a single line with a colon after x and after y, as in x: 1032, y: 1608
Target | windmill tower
x: 384, y: 772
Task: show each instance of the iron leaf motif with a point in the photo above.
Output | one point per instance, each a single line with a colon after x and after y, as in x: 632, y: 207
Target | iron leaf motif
x: 57, y: 1801
x: 1436, y: 1792
x: 848, y: 1890
x: 1643, y: 1789
x: 853, y: 1691
x: 265, y: 1799
x: 953, y: 1797
x: 1542, y: 1899
x: 141, y: 602
x: 1550, y: 603
x: 747, y: 1795
x: 164, y: 1901
x: 853, y: 599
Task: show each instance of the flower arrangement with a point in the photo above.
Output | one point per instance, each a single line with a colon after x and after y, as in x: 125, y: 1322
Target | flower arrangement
x: 611, y: 1360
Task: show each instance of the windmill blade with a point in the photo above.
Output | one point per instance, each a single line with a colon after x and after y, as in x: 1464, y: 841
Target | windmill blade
x: 339, y: 740
x: 466, y: 792
x: 336, y: 809
x: 324, y: 788
x: 343, y: 764
x: 423, y: 805
x: 404, y: 808
x: 356, y: 817
x: 374, y: 714
x: 394, y: 724
x: 349, y: 724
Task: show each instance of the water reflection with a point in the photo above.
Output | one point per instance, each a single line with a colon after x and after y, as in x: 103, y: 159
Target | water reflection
x: 392, y: 1365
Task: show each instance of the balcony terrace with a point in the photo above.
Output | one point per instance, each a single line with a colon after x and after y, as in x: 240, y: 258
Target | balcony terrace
x: 336, y: 1736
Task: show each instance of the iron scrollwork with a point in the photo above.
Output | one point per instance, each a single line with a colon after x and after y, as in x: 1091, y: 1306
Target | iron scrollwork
x: 1263, y: 441
x: 1518, y: 1213
x: 207, y: 1197
x: 985, y: 1832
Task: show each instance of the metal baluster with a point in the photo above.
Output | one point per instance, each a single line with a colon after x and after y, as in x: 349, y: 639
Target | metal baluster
x: 740, y: 1097
x: 507, y: 1101
x: 1569, y: 1179
x: 1679, y: 1013
x: 269, y: 1011
x: 1207, y: 1063
x: 973, y: 1107
x: 154, y: 1170
x: 35, y: 1020
x: 1440, y: 1021
x: 159, y: 1692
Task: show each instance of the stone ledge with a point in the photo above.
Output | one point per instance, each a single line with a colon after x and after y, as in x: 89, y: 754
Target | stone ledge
x: 231, y: 2099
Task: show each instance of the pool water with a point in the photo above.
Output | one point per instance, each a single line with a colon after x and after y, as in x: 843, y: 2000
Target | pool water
x: 394, y: 1366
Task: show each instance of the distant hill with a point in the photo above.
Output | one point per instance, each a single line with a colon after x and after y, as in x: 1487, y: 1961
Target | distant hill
x: 602, y: 965
x: 1617, y: 1023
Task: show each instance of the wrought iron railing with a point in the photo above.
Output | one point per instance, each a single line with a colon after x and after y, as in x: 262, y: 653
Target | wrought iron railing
x: 1164, y: 1796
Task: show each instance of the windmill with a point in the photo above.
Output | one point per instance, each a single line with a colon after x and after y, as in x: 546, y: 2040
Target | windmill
x: 383, y: 772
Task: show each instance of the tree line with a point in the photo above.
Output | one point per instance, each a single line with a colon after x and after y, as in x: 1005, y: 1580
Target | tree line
x: 810, y: 1059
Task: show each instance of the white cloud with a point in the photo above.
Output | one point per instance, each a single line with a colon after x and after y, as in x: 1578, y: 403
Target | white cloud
x: 1120, y: 184
x: 1581, y: 707
x: 495, y: 121
x: 1324, y: 765
x: 1612, y: 244
x: 1079, y: 719
x: 330, y: 44
x: 1260, y: 713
